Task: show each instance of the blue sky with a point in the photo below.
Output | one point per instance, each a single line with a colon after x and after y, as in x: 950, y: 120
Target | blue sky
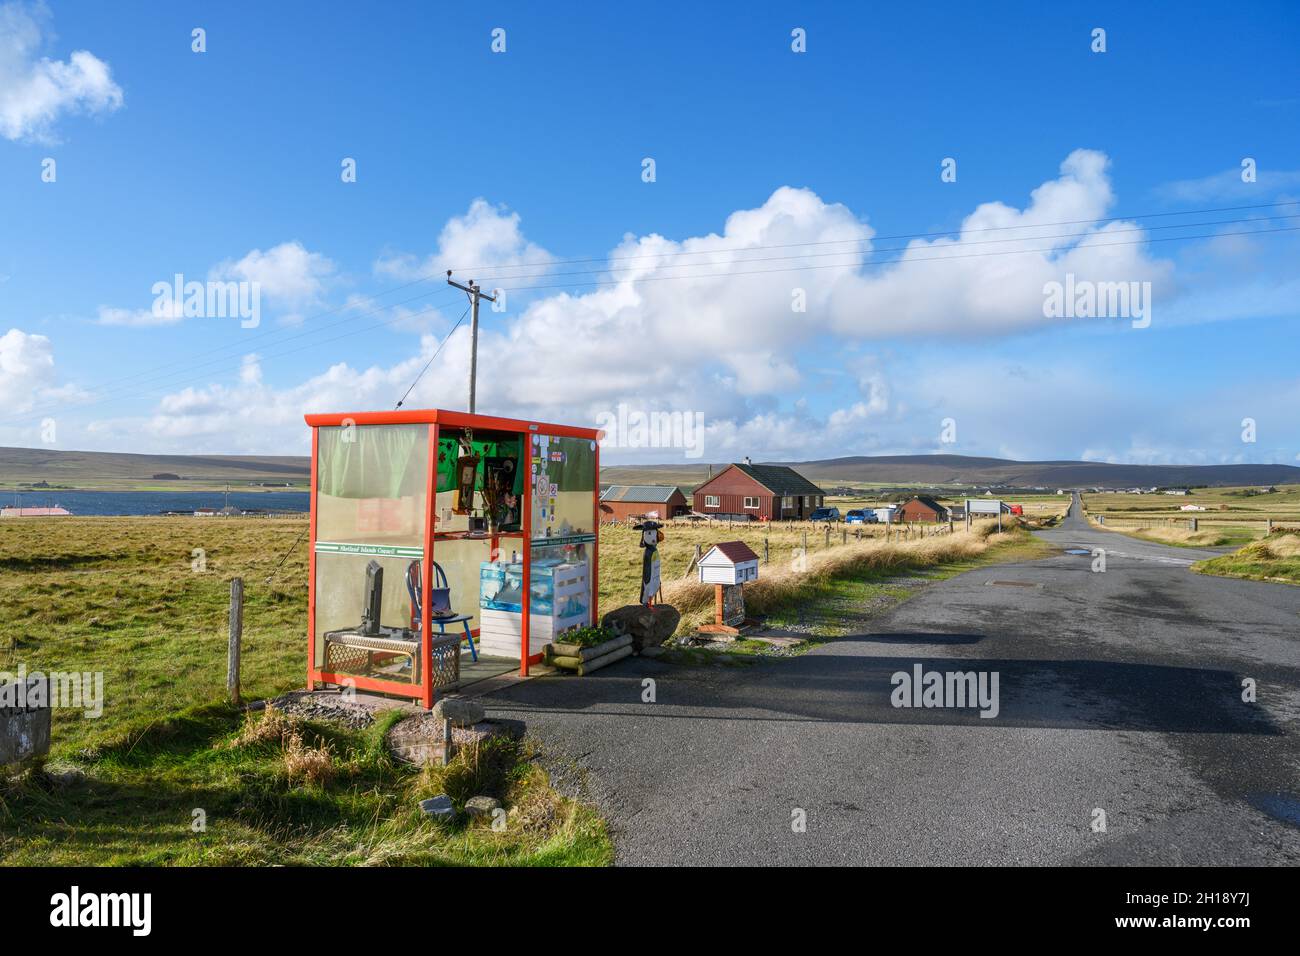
x: 226, y: 164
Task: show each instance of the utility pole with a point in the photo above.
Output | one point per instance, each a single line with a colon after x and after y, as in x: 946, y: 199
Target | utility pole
x: 474, y: 294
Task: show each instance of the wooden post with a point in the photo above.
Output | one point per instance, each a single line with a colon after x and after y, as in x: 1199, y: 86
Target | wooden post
x: 236, y: 635
x: 766, y: 552
x: 845, y: 529
x: 1191, y: 523
x: 694, y: 562
x: 805, y: 542
x: 1270, y: 526
x: 828, y: 534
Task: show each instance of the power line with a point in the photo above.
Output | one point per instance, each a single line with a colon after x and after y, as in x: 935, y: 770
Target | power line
x: 873, y: 251
x: 185, y: 369
x: 896, y: 262
x: 30, y: 416
x: 242, y: 346
x: 884, y: 238
x: 444, y: 341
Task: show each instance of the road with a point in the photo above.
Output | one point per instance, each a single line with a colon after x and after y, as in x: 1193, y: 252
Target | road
x: 1120, y: 698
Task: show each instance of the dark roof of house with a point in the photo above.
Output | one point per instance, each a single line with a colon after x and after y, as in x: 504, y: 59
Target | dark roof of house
x: 929, y: 503
x: 780, y: 479
x: 635, y: 493
x: 736, y: 551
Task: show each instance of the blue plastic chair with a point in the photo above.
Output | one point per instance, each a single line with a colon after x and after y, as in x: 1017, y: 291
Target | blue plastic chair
x: 439, y: 581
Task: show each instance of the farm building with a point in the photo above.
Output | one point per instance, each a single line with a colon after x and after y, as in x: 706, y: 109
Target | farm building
x: 16, y: 512
x: 621, y: 502
x: 923, y: 508
x: 758, y: 493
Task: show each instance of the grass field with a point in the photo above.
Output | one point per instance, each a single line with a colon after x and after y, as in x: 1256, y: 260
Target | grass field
x: 144, y: 602
x: 129, y: 597
x: 1232, y: 516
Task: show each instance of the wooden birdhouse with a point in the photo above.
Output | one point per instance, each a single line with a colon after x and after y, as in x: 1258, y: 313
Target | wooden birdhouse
x: 731, y: 562
x: 728, y: 566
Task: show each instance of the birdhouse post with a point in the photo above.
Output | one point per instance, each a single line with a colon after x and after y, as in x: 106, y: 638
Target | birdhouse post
x: 728, y: 566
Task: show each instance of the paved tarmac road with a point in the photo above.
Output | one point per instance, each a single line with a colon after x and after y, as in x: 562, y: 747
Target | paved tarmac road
x: 1119, y: 693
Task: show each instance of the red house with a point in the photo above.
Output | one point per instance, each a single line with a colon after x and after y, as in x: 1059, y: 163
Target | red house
x: 923, y: 508
x: 758, y: 492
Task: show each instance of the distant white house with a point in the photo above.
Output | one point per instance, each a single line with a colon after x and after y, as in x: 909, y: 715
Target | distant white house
x: 1192, y: 508
x: 1174, y: 491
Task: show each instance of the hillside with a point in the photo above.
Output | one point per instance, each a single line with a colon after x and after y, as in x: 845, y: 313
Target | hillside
x: 118, y: 471
x: 94, y: 470
x: 934, y: 470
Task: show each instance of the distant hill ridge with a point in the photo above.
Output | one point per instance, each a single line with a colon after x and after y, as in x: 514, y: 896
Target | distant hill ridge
x: 969, y: 470
x: 36, y: 464
x: 57, y: 466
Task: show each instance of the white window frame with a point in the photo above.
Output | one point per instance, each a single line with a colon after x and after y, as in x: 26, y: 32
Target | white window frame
x: 787, y: 503
x: 751, y: 503
x: 712, y: 501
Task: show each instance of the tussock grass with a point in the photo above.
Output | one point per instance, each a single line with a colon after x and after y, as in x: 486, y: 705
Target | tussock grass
x: 779, y: 586
x: 1276, y: 558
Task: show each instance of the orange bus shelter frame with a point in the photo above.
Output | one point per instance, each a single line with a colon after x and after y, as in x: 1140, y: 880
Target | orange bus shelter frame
x: 436, y: 419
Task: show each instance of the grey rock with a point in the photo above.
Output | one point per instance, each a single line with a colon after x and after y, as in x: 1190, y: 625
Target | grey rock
x: 461, y: 712
x: 482, y: 806
x: 439, y: 807
x: 648, y: 626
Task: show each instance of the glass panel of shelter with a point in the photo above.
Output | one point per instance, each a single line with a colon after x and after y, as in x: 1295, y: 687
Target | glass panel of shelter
x: 371, y: 512
x: 562, y: 478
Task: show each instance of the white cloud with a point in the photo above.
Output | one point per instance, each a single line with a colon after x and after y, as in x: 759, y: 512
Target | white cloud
x: 289, y: 275
x: 26, y: 369
x: 769, y: 381
x: 169, y: 314
x: 34, y: 92
x: 990, y: 278
x: 486, y: 237
x: 1228, y: 185
x: 289, y: 278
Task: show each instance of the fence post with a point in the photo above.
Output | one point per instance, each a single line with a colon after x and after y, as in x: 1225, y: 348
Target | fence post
x: 805, y: 541
x: 236, y: 636
x: 828, y: 534
x: 766, y: 552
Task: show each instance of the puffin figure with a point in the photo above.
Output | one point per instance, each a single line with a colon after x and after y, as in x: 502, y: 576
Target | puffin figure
x: 650, y: 538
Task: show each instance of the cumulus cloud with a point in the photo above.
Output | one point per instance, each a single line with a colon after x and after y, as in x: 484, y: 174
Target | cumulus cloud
x: 486, y: 235
x: 990, y: 277
x: 289, y: 275
x: 713, y: 325
x: 35, y: 91
x: 26, y: 369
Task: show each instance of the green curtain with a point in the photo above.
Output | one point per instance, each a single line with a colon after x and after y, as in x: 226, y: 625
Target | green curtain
x: 382, y: 461
x: 449, y: 451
